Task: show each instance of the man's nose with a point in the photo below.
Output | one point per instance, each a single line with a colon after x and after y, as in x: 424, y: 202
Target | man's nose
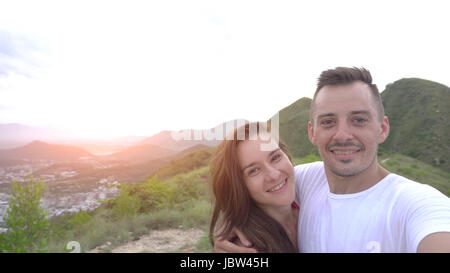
x: 343, y: 133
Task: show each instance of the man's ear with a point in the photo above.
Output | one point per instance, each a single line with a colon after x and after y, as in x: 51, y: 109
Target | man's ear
x: 311, y: 135
x: 385, y: 129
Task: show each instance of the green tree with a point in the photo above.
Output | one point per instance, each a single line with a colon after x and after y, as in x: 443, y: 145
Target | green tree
x: 26, y: 220
x: 79, y: 219
x: 125, y: 204
x: 154, y: 195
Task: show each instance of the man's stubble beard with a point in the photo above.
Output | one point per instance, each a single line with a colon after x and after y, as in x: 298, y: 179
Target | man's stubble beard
x: 350, y: 173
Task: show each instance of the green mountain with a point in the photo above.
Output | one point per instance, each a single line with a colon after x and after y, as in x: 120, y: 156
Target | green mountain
x: 419, y: 115
x: 293, y: 128
x: 38, y: 150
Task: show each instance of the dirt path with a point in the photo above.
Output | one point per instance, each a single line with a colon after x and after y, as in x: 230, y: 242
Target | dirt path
x: 159, y: 241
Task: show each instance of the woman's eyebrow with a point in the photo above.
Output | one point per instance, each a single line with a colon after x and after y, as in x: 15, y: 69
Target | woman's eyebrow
x: 274, y: 151
x: 248, y: 166
x: 253, y: 163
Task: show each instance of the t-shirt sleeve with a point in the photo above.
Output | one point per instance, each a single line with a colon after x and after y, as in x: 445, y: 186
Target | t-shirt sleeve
x: 299, y: 181
x: 306, y: 176
x: 428, y: 211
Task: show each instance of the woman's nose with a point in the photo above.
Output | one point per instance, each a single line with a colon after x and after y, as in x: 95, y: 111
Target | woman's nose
x: 272, y: 173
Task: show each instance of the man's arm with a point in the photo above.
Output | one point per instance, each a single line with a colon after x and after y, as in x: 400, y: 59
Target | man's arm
x: 435, y: 242
x: 235, y: 243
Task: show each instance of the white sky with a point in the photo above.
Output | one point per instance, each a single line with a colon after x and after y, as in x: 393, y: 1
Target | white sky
x: 114, y: 68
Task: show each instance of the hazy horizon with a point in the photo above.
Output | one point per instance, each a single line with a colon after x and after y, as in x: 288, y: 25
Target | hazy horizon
x: 109, y: 69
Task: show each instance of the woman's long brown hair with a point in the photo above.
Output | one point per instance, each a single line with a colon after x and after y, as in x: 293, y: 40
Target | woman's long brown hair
x: 234, y: 205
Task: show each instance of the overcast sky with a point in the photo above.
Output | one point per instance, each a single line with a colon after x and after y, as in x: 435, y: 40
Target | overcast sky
x: 114, y: 68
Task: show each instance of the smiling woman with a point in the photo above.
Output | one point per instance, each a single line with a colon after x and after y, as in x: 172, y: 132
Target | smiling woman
x: 254, y: 191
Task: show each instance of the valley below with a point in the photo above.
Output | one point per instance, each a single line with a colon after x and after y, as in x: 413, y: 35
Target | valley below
x: 74, y: 185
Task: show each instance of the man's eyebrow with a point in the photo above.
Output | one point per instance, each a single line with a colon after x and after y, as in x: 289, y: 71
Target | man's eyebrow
x: 359, y: 112
x: 270, y: 154
x: 326, y: 115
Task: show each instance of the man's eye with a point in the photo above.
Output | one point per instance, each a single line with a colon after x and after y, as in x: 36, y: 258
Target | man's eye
x: 327, y: 122
x: 360, y: 121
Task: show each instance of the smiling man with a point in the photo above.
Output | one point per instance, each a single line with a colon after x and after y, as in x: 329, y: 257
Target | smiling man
x: 349, y: 202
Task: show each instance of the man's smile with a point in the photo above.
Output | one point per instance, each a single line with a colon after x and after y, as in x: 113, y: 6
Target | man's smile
x: 345, y: 151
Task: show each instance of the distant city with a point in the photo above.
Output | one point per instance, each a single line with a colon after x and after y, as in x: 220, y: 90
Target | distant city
x: 62, y: 194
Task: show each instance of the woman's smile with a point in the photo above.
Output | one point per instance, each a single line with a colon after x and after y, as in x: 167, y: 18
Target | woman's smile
x: 279, y: 187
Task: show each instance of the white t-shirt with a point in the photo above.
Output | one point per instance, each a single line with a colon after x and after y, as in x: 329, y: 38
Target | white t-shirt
x: 394, y: 215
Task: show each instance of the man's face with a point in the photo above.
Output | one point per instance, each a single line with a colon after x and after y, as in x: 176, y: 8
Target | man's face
x: 347, y: 129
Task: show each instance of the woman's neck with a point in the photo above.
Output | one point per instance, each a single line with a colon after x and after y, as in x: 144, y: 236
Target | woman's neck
x: 288, y: 218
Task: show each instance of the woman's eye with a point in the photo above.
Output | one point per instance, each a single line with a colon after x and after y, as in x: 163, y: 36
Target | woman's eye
x: 276, y: 157
x: 253, y: 171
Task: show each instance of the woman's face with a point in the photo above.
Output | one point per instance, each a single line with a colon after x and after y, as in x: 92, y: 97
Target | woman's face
x: 268, y: 174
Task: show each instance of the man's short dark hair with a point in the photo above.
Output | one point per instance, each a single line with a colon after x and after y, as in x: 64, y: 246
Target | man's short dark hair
x: 347, y: 75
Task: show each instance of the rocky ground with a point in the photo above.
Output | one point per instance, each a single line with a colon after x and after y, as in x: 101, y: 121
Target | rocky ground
x: 158, y: 241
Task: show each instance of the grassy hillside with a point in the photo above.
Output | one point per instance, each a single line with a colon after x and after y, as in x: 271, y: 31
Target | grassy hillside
x: 187, y: 163
x: 181, y: 201
x: 417, y: 170
x: 419, y: 114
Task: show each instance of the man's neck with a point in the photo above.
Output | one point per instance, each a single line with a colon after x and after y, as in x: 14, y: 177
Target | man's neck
x: 356, y: 183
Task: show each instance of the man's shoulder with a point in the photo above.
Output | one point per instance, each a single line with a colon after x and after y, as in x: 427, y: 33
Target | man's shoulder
x: 412, y: 192
x: 309, y: 178
x: 310, y: 172
x: 418, y: 209
x: 405, y: 184
x: 313, y: 166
